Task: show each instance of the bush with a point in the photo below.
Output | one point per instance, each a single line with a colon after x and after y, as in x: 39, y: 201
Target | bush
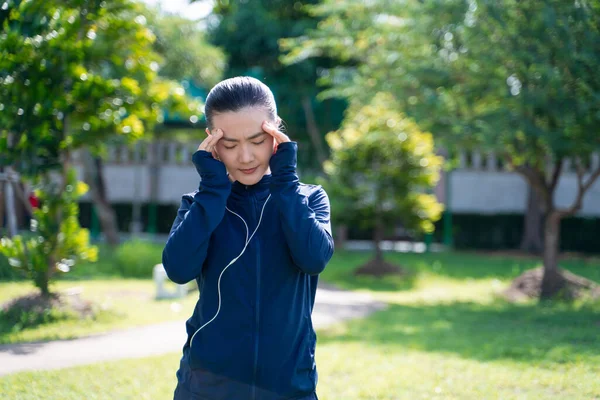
x: 137, y: 258
x: 8, y: 272
x: 105, y: 267
x: 56, y: 241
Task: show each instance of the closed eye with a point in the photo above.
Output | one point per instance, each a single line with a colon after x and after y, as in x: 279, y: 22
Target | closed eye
x: 256, y: 143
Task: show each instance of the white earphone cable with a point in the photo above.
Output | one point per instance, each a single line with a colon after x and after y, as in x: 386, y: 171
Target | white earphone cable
x: 231, y: 262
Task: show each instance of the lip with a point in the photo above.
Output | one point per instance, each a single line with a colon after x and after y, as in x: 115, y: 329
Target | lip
x: 249, y: 171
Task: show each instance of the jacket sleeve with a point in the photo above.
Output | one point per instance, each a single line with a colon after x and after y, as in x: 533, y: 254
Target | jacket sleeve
x: 197, y: 218
x: 305, y: 219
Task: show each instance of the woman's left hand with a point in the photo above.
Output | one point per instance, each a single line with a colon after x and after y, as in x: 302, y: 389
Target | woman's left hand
x: 279, y: 136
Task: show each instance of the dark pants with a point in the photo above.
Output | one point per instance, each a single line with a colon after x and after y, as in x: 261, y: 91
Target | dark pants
x: 188, y: 379
x: 182, y: 394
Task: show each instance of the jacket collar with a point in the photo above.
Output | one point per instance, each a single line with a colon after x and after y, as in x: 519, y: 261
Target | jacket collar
x: 261, y: 187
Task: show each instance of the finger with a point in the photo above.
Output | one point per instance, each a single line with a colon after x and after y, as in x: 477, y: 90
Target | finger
x: 217, y: 135
x: 211, y: 140
x: 279, y: 136
x: 206, y: 143
x: 271, y: 130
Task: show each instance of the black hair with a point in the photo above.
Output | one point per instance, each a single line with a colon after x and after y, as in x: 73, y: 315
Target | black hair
x: 234, y: 94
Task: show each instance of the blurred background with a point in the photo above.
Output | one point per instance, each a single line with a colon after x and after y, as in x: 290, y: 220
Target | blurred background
x: 458, y: 142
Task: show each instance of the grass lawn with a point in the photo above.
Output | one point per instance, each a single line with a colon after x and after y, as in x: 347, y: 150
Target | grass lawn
x: 445, y: 335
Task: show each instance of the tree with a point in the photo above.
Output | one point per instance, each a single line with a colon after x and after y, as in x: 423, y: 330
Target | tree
x: 544, y: 90
x: 75, y: 74
x: 382, y: 169
x: 516, y: 77
x: 183, y: 54
x: 187, y: 56
x: 66, y: 242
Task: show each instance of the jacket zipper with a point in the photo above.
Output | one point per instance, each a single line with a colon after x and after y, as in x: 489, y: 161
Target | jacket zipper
x: 257, y: 304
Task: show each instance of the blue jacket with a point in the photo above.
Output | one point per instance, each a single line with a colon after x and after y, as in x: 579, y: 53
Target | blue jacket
x: 261, y: 345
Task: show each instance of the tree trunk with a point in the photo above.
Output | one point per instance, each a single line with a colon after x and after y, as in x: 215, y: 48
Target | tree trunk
x: 532, y: 240
x: 24, y: 201
x: 42, y: 277
x: 154, y: 170
x: 341, y: 236
x: 552, y: 282
x: 94, y: 177
x: 9, y: 196
x: 377, y: 239
x: 43, y: 281
x: 2, y: 208
x: 313, y: 130
x: 377, y: 266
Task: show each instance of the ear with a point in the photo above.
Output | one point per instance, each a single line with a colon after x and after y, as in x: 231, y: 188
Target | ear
x: 207, y: 131
x: 277, y: 122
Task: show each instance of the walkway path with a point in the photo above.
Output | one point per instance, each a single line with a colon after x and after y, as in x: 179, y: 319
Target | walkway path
x: 331, y: 306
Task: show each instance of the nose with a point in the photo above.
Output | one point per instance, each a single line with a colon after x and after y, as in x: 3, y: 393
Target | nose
x: 245, y: 156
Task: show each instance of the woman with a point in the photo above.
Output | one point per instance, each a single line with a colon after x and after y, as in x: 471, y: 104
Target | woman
x: 255, y: 239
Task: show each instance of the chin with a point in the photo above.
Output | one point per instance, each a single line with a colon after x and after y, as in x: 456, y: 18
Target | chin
x: 251, y: 179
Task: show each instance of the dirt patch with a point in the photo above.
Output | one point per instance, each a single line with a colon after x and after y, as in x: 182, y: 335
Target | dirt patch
x: 34, y: 309
x: 528, y: 285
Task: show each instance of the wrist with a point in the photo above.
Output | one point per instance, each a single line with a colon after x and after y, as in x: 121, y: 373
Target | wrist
x: 285, y: 159
x: 208, y: 167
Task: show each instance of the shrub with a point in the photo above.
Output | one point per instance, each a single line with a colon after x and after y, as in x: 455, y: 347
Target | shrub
x: 137, y: 258
x: 8, y: 272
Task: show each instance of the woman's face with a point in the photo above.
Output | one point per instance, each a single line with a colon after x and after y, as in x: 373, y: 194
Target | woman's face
x: 245, y: 148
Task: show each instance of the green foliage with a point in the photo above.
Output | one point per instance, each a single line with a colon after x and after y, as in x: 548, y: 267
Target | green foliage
x: 73, y: 74
x: 76, y: 73
x: 137, y: 258
x: 58, y: 241
x: 515, y: 76
x: 526, y: 78
x: 184, y: 50
x: 383, y: 167
x: 132, y: 259
x: 383, y: 46
x: 7, y: 272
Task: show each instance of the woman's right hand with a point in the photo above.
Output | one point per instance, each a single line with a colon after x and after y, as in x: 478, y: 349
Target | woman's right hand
x: 210, y: 143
